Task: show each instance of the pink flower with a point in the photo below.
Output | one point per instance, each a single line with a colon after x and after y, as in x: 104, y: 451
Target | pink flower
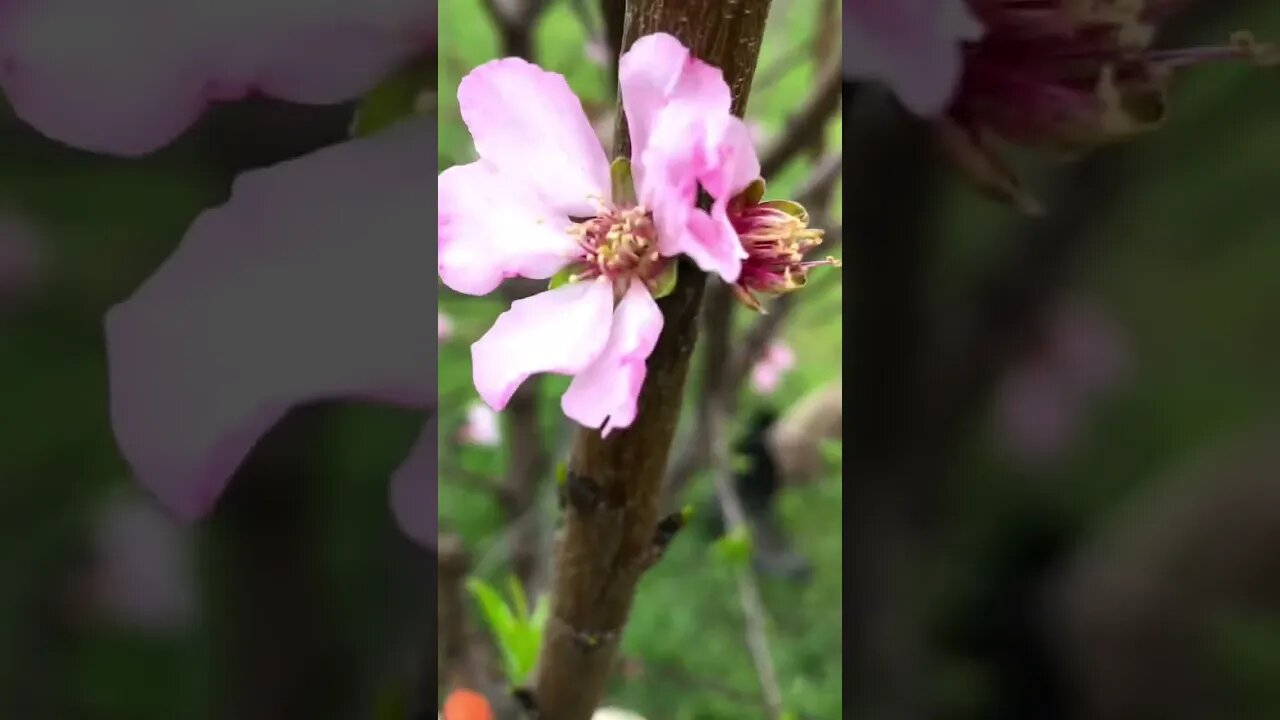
x: 126, y: 77
x: 776, y: 238
x: 308, y: 284
x: 915, y: 46
x: 540, y: 203
x: 141, y: 572
x: 1065, y: 76
x: 767, y: 373
x: 1074, y: 75
x: 444, y: 327
x: 1044, y: 402
x: 481, y: 427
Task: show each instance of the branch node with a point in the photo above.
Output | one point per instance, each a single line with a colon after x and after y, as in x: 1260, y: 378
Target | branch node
x: 526, y: 702
x: 666, y: 531
x: 582, y: 493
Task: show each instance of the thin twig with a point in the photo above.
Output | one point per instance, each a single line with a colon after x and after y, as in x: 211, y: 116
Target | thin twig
x: 753, y: 609
x: 809, y: 120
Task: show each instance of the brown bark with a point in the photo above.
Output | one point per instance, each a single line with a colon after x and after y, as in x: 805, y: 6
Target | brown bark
x: 615, y: 484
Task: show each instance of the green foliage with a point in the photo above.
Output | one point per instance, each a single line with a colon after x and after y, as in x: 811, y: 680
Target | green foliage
x: 397, y: 98
x: 734, y: 547
x: 517, y: 631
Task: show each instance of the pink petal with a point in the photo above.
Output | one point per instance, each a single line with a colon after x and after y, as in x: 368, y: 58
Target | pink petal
x: 481, y: 427
x: 529, y: 124
x: 491, y: 228
x: 558, y: 331
x: 307, y: 284
x: 659, y: 70
x: 765, y: 379
x: 128, y: 76
x: 1037, y: 415
x: 689, y: 148
x: 415, y: 486
x: 142, y: 574
x: 444, y: 327
x: 604, y: 394
x: 781, y: 356
x: 912, y: 45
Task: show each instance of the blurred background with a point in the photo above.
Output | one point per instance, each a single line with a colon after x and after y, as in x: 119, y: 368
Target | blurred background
x: 1064, y: 456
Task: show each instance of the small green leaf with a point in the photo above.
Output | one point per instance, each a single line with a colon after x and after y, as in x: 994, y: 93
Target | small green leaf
x: 624, y: 189
x: 686, y: 512
x: 667, y: 280
x: 541, y: 613
x: 734, y: 547
x: 741, y: 463
x: 562, y: 473
x: 506, y: 630
x: 497, y: 614
x: 397, y: 97
x: 518, y: 599
x: 561, y: 278
x: 794, y: 209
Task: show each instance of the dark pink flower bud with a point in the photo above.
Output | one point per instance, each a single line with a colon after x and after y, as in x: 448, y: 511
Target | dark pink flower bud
x: 777, y: 237
x: 1066, y: 75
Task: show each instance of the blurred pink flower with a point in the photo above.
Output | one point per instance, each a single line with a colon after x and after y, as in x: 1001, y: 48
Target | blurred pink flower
x: 914, y: 46
x: 444, y: 327
x: 306, y: 285
x: 1065, y: 76
x: 481, y: 427
x: 597, y: 52
x: 125, y: 77
x: 513, y: 213
x: 769, y: 370
x: 141, y: 572
x: 1044, y: 401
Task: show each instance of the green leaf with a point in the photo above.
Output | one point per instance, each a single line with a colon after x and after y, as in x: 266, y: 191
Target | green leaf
x: 562, y: 473
x: 518, y: 599
x: 734, y: 546
x: 741, y: 463
x: 667, y: 280
x: 560, y: 278
x: 794, y: 209
x: 501, y: 621
x: 541, y: 613
x: 624, y: 189
x: 397, y: 97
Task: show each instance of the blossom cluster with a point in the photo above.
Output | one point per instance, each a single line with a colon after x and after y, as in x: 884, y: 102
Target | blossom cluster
x: 543, y: 202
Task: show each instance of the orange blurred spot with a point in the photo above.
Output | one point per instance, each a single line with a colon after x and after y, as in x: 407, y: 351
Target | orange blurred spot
x: 467, y: 705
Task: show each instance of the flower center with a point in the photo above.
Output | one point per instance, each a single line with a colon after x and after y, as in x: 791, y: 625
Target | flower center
x: 620, y: 244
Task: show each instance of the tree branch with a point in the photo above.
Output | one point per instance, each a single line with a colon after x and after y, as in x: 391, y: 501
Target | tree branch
x: 615, y: 484
x: 807, y: 121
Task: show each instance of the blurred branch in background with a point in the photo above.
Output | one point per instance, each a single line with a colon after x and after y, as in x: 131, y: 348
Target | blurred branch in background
x: 753, y: 609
